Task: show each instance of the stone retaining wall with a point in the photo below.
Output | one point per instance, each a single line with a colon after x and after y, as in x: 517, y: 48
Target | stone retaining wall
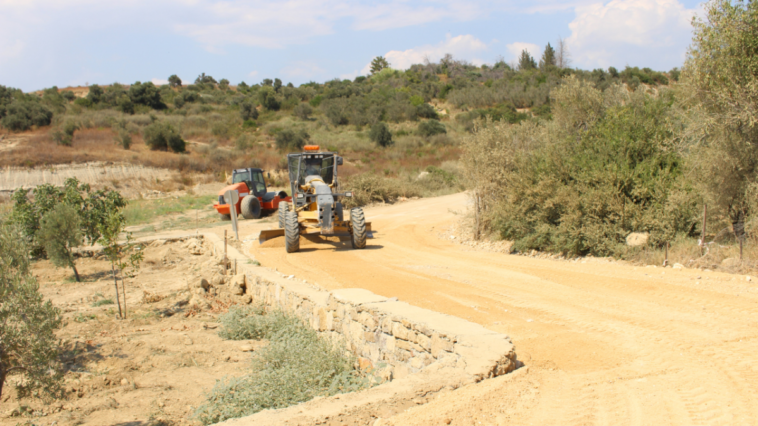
x: 391, y: 336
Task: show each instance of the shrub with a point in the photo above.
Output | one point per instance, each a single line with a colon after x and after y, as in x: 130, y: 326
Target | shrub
x: 124, y: 139
x: 248, y: 111
x: 430, y: 128
x: 95, y: 94
x: 223, y: 84
x: 562, y: 186
x: 243, y: 142
x: 146, y: 94
x: 425, y: 110
x: 316, y: 101
x: 303, y: 111
x: 162, y: 136
x: 416, y: 100
x: 380, y: 134
x: 292, y: 140
x: 65, y: 136
x: 268, y: 100
x: 296, y: 366
x: 28, y: 344
x: 60, y: 233
x: 369, y: 188
x: 22, y: 115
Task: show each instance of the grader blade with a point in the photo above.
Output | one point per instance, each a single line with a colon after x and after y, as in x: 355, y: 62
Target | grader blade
x: 268, y: 234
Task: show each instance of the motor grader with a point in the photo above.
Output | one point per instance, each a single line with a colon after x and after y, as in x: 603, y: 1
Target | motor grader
x: 316, y: 207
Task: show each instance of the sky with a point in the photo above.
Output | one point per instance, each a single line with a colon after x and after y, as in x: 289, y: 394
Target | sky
x: 76, y: 42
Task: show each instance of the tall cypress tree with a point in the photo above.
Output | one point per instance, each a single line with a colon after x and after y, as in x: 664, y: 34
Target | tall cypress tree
x: 526, y: 62
x: 548, y: 58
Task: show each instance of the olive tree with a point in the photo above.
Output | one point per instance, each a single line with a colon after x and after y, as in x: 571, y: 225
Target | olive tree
x: 28, y: 345
x: 719, y: 91
x: 60, y: 232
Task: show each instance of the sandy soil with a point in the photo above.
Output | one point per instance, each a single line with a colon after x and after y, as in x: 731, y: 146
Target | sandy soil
x: 151, y: 369
x: 603, y: 342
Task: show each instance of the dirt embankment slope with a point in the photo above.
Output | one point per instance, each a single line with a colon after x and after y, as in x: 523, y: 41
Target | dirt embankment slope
x: 604, y: 343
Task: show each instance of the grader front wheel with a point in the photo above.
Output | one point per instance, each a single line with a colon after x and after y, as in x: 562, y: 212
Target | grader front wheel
x: 291, y: 232
x: 358, y: 223
x: 284, y: 207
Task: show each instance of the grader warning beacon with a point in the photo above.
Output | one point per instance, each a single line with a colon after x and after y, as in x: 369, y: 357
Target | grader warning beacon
x: 316, y: 208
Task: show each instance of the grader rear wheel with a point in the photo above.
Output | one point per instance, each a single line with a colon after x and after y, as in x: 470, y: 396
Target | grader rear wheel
x: 358, y: 223
x: 284, y: 207
x: 291, y: 232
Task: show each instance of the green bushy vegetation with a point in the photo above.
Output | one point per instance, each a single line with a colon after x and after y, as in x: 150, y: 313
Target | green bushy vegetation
x: 296, y: 366
x: 28, y: 345
x: 609, y: 159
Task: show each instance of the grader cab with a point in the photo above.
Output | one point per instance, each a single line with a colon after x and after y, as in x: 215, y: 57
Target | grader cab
x: 316, y: 207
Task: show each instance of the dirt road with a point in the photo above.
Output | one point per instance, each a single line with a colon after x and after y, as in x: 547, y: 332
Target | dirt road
x: 603, y: 343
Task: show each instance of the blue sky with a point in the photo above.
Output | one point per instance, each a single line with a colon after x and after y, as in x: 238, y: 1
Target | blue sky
x: 73, y: 42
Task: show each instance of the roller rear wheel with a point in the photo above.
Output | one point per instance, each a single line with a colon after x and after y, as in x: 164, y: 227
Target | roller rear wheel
x: 358, y: 224
x: 250, y: 207
x: 291, y: 232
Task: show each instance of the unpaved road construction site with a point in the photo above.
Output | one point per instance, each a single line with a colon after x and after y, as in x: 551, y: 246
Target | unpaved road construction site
x: 602, y: 342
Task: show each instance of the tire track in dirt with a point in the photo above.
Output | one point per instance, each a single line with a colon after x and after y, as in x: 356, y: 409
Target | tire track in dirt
x: 605, y: 343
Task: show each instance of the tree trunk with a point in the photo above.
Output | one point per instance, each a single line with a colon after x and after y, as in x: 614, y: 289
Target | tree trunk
x: 115, y: 283
x: 2, y: 380
x: 123, y: 291
x: 76, y: 273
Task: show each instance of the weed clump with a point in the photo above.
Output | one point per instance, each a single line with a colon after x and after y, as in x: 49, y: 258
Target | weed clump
x: 296, y: 366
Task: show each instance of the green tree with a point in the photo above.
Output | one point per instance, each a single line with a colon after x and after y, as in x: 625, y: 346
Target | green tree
x: 163, y: 136
x: 248, y: 111
x: 277, y: 84
x: 292, y: 140
x: 123, y: 256
x: 95, y: 94
x: 242, y: 87
x: 223, y: 84
x: 719, y: 88
x: 267, y: 98
x: 526, y: 62
x: 174, y: 81
x: 91, y: 206
x: 205, y: 79
x: 20, y: 115
x: 28, y: 345
x: 380, y: 134
x: 302, y: 111
x: 146, y: 94
x: 548, y: 58
x: 60, y: 232
x: 379, y: 63
x: 430, y: 128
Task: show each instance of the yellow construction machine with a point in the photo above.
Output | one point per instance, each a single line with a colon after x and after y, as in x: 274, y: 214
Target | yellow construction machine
x: 316, y: 208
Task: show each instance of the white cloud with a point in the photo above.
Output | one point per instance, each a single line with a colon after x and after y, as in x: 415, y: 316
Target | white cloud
x: 461, y: 47
x: 159, y: 81
x: 603, y: 34
x: 516, y: 48
x: 253, y: 73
